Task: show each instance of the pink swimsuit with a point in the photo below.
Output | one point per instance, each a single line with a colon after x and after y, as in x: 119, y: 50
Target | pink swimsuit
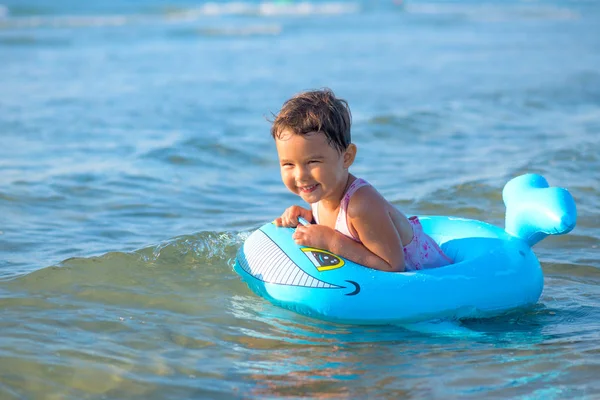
x: 421, y: 253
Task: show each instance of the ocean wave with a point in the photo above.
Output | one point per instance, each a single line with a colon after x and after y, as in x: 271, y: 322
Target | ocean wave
x: 265, y: 9
x: 204, y: 248
x: 33, y: 41
x: 253, y: 30
x: 170, y: 16
x: 493, y: 13
x: 74, y: 21
x: 209, y: 253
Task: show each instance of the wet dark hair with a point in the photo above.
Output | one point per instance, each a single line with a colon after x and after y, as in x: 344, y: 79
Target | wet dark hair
x: 316, y: 111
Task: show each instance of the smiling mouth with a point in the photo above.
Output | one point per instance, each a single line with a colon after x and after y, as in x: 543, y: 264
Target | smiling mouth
x: 308, y: 189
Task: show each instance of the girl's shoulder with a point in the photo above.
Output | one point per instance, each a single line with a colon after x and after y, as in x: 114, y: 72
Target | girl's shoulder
x: 365, y: 199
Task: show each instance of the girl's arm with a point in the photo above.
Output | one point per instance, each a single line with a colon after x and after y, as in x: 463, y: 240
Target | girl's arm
x: 326, y: 238
x: 359, y: 253
x: 369, y: 215
x: 381, y: 246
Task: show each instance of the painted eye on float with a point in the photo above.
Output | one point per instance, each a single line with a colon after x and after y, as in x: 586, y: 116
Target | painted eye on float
x: 323, y: 260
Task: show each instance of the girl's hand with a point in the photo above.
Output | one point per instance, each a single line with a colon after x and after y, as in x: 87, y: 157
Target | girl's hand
x: 317, y: 236
x: 289, y: 218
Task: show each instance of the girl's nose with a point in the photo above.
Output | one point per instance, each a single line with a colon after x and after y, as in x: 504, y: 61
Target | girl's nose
x: 301, y: 173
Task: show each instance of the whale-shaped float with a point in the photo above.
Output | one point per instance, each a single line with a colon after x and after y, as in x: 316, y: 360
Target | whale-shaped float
x: 494, y: 269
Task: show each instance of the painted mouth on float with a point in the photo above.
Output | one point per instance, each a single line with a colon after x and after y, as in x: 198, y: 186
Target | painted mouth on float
x: 263, y: 259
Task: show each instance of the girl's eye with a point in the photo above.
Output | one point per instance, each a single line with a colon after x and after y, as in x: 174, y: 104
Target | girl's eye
x: 314, y: 161
x: 287, y: 165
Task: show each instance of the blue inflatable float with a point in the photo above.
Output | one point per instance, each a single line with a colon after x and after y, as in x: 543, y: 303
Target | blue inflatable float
x: 494, y: 269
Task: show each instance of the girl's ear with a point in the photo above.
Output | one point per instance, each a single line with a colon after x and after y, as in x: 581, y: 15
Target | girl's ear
x: 349, y: 155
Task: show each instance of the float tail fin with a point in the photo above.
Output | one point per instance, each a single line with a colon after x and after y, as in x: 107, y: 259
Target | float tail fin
x: 535, y: 210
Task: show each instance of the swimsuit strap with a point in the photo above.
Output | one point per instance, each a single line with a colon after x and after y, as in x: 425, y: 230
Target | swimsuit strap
x: 315, y: 210
x: 341, y: 224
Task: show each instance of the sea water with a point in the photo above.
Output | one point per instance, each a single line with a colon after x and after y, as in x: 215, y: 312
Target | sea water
x: 135, y: 158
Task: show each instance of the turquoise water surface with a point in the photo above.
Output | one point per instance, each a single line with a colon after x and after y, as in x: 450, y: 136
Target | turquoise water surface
x: 135, y: 158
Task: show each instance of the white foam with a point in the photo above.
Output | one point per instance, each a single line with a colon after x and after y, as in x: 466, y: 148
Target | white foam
x: 307, y: 8
x: 243, y: 31
x: 490, y: 13
x: 66, y: 21
x: 265, y: 9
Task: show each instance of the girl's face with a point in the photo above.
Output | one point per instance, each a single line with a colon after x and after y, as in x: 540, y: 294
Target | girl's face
x: 311, y: 167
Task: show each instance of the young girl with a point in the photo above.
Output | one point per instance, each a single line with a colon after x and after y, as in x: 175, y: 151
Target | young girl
x: 351, y: 219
